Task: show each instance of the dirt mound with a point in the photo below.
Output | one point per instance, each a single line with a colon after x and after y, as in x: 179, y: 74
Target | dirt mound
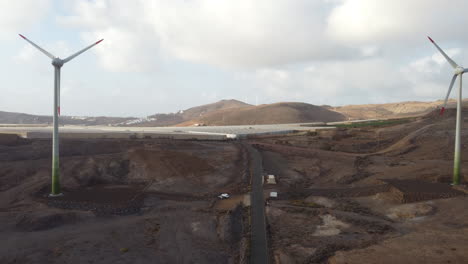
x: 410, y: 211
x: 180, y: 168
x: 279, y: 113
x: 193, y: 168
x: 179, y: 163
x: 408, y: 191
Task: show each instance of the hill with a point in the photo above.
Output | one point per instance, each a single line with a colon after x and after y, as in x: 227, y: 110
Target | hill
x: 192, y: 113
x: 234, y: 112
x: 20, y: 118
x: 391, y: 110
x: 277, y: 113
x: 153, y: 120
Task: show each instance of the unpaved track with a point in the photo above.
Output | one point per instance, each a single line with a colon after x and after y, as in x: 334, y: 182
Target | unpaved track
x: 401, y: 143
x: 259, y: 247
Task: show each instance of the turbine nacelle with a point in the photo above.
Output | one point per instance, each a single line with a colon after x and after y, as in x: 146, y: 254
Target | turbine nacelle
x: 459, y: 70
x: 57, y: 62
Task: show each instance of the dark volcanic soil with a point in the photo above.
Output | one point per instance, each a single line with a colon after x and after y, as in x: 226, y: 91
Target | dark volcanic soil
x: 335, y: 204
x: 345, y: 196
x: 132, y: 201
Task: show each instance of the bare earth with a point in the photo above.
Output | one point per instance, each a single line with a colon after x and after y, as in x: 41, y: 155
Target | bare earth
x: 125, y: 202
x: 334, y: 205
x: 155, y: 201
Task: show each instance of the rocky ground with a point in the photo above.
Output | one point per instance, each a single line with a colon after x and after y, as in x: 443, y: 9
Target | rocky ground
x: 335, y: 205
x: 133, y: 201
x: 340, y: 199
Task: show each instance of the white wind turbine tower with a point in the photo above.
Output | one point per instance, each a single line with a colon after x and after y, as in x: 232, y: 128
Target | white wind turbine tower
x: 57, y: 63
x: 458, y: 71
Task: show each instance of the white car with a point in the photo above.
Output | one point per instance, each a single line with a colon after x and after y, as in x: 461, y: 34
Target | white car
x: 223, y: 196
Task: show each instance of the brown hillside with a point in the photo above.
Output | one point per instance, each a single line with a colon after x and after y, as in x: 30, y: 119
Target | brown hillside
x: 372, y: 111
x: 199, y: 111
x: 391, y: 110
x: 278, y: 113
x: 20, y: 118
x: 192, y: 113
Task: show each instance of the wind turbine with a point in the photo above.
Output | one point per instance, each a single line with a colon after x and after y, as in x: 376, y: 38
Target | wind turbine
x: 458, y: 71
x: 57, y: 63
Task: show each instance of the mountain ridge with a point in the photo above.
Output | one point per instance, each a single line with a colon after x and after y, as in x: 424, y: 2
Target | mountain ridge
x: 235, y: 112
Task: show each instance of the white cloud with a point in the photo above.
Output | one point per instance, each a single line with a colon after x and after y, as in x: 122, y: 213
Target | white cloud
x: 238, y: 34
x: 130, y: 43
x: 16, y: 16
x: 32, y: 59
x: 246, y: 33
x: 361, y: 81
x: 398, y: 21
x: 427, y: 76
x: 262, y: 33
x: 124, y: 49
x: 322, y: 52
x: 251, y: 34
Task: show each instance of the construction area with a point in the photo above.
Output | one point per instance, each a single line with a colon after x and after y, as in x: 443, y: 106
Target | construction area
x: 362, y: 192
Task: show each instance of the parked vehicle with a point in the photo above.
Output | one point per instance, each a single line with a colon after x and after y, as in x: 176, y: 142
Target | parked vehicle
x: 223, y: 196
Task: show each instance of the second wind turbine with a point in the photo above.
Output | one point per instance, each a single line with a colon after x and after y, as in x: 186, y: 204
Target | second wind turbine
x: 458, y: 71
x: 57, y: 63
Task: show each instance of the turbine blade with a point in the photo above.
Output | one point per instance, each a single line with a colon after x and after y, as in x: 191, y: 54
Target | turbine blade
x: 48, y: 54
x: 448, y: 93
x: 81, y: 51
x: 454, y: 65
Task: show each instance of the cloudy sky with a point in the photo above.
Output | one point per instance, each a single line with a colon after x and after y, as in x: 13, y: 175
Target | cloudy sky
x: 166, y: 55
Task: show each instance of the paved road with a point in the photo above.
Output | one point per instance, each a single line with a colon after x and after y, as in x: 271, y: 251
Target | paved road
x: 259, y: 246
